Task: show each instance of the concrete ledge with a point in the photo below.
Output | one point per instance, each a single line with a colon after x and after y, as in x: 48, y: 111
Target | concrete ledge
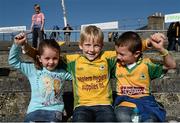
x: 13, y: 105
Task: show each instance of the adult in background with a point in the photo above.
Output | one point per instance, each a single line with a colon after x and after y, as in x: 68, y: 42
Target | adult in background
x: 67, y: 34
x: 173, y: 35
x: 37, y: 26
x: 54, y: 34
x: 112, y: 36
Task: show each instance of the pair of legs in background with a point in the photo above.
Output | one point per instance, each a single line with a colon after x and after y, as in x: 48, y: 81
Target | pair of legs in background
x: 37, y: 33
x: 172, y: 44
x: 67, y: 38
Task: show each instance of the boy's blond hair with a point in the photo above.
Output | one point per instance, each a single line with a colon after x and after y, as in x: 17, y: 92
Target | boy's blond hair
x: 91, y: 33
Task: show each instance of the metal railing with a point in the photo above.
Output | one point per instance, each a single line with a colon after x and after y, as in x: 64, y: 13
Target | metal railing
x: 75, y: 34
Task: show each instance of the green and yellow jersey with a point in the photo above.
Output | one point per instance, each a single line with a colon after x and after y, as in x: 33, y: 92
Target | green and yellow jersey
x: 135, y: 82
x: 91, y: 85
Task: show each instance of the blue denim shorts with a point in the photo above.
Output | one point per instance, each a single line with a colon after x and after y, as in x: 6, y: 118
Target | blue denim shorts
x: 44, y: 116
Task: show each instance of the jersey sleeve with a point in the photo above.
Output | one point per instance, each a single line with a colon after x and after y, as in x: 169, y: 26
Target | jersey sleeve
x: 155, y: 69
x: 71, y: 57
x: 145, y: 45
x: 111, y: 59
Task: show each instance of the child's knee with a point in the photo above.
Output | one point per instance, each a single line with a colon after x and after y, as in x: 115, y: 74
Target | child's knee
x: 123, y: 115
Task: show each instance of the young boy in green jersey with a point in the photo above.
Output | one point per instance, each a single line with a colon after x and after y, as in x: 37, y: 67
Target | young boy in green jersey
x: 91, y: 78
x: 133, y: 74
x: 91, y: 75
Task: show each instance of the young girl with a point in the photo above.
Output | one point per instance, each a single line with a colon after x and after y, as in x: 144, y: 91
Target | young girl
x: 46, y: 78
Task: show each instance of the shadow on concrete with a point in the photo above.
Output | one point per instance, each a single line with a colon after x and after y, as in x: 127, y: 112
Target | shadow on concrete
x: 4, y: 71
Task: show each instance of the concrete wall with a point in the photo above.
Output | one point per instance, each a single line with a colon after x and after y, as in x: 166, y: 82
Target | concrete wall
x: 15, y: 90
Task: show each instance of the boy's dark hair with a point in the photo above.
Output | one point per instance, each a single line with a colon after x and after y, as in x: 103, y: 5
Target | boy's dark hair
x: 50, y: 43
x: 130, y: 39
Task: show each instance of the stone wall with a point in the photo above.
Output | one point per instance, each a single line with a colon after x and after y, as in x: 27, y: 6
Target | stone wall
x: 15, y: 90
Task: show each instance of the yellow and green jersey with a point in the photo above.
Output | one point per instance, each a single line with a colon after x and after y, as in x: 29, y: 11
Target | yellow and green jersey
x: 135, y: 82
x: 91, y: 85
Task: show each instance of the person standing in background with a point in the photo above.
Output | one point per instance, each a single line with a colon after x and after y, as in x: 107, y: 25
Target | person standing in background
x: 37, y: 26
x: 173, y: 35
x: 67, y: 34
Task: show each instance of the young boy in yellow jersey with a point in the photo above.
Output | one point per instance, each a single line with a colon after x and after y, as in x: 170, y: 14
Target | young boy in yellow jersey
x: 133, y: 74
x: 91, y: 75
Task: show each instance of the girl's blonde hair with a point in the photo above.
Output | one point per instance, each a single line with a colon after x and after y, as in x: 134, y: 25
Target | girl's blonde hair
x: 91, y: 33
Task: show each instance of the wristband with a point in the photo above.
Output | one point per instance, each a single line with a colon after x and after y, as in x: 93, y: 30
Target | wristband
x: 164, y: 53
